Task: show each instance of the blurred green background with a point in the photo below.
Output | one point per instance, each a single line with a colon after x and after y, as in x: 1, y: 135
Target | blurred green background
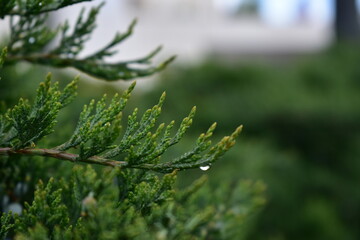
x: 301, y: 132
x: 301, y: 136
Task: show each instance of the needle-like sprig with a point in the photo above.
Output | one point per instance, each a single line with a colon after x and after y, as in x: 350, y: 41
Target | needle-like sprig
x: 97, y: 138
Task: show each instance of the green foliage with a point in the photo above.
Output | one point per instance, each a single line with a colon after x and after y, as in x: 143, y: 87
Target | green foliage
x: 6, y: 224
x: 123, y: 194
x: 27, y: 124
x: 30, y: 40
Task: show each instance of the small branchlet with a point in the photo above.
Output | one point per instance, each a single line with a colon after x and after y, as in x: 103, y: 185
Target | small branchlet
x: 30, y: 123
x: 5, y: 224
x: 96, y: 122
x: 97, y: 135
x: 152, y: 192
x: 31, y: 37
x: 47, y: 200
x: 197, y: 157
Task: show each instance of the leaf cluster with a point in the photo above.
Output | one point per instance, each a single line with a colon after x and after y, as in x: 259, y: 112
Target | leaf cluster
x: 27, y: 123
x: 141, y: 206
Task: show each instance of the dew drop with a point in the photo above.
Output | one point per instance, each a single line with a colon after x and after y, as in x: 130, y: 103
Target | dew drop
x: 205, y: 168
x: 31, y: 40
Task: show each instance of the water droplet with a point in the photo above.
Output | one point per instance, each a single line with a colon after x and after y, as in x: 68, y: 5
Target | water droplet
x: 31, y: 40
x: 205, y: 168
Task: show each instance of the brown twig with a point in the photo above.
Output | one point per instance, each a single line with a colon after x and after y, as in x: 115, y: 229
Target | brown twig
x: 62, y: 156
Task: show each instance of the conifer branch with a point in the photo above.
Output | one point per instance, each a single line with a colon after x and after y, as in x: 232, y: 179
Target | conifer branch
x: 30, y: 40
x: 96, y: 135
x: 224, y: 145
x: 107, y: 71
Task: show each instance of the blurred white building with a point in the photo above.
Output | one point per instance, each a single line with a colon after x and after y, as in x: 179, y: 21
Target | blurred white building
x: 194, y: 29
